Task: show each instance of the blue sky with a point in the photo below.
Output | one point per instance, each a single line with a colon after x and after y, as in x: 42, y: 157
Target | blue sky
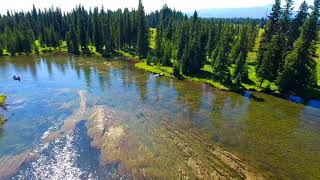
x: 150, y: 5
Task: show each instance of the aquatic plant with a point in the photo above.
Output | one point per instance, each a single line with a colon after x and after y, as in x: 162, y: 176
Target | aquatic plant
x: 2, y: 103
x: 2, y: 99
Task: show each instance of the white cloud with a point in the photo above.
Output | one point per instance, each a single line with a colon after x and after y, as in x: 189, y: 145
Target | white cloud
x: 150, y: 5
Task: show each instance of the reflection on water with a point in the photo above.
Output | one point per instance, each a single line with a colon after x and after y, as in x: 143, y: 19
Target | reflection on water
x: 279, y: 138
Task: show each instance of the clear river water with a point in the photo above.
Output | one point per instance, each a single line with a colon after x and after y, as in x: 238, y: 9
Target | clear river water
x: 89, y: 118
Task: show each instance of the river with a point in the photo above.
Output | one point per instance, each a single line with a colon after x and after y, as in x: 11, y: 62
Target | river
x: 81, y: 118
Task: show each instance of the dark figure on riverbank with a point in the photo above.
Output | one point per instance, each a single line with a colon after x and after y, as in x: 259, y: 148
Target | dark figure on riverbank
x: 16, y: 78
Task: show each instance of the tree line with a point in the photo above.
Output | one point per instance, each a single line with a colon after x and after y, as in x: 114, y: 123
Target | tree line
x: 288, y: 48
x: 105, y: 29
x: 188, y: 43
x: 286, y: 54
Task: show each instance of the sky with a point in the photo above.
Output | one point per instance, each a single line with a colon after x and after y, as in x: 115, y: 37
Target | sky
x: 150, y: 5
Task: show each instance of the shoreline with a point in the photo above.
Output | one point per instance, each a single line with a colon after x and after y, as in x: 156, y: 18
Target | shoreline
x: 168, y: 72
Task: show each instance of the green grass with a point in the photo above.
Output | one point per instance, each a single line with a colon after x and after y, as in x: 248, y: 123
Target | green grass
x: 128, y: 54
x: 93, y: 50
x: 62, y: 48
x: 167, y: 71
x: 152, y: 35
x: 258, y: 39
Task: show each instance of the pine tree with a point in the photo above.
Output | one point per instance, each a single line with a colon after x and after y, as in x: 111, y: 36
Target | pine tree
x: 285, y: 23
x: 240, y: 46
x: 166, y: 53
x: 142, y: 41
x: 202, y: 53
x: 184, y: 62
x: 214, y: 54
x: 98, y: 40
x: 300, y: 67
x: 212, y: 39
x: 83, y: 33
x: 285, y: 19
x: 183, y: 39
x: 69, y: 43
x: 158, y: 44
x: 90, y: 27
x: 54, y: 38
x: 271, y: 28
x: 149, y: 59
x: 298, y: 21
x: 73, y: 41
x: 1, y: 45
x: 220, y: 66
x: 271, y: 60
x: 241, y: 70
x: 273, y: 51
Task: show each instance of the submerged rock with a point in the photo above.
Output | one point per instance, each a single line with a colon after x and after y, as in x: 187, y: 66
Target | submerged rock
x: 10, y: 164
x: 167, y: 151
x: 174, y: 154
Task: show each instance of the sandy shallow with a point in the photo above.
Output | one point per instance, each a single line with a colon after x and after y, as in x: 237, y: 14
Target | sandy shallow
x: 176, y: 151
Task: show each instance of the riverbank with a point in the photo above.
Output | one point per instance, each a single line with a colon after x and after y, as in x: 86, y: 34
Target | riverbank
x: 205, y: 76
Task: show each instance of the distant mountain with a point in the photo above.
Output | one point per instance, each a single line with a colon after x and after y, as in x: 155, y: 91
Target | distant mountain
x: 252, y: 12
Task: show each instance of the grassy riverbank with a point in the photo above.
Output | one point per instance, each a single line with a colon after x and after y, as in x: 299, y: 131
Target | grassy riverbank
x: 206, y: 74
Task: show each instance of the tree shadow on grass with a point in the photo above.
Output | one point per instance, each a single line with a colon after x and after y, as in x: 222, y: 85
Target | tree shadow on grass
x: 204, y: 75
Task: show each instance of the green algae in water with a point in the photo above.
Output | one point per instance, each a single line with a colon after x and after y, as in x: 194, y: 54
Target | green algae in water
x: 2, y: 102
x: 2, y: 99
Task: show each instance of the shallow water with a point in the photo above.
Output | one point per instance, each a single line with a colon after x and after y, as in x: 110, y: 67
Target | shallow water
x: 136, y: 125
